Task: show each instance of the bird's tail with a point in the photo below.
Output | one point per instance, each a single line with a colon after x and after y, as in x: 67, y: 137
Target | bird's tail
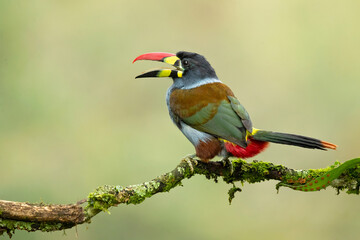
x: 291, y: 139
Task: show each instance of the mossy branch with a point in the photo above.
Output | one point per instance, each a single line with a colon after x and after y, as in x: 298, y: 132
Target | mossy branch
x: 51, y: 217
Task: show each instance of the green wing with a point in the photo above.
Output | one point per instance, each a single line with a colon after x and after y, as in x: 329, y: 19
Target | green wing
x: 227, y: 120
x: 241, y: 112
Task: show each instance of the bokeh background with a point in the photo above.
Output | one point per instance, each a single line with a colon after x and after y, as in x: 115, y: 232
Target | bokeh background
x: 72, y: 116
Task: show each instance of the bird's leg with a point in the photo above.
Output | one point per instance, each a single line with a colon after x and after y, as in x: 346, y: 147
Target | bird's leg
x: 191, y: 155
x: 187, y: 159
x: 225, y: 160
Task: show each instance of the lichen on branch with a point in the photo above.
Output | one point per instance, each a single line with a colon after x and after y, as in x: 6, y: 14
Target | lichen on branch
x: 43, y: 217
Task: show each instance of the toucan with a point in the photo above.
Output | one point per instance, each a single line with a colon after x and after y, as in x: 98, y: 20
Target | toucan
x: 210, y: 116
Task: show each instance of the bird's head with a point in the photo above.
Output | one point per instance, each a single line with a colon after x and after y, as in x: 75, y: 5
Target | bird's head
x: 189, y: 67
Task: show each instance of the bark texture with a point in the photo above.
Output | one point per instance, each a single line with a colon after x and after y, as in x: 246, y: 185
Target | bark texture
x: 53, y: 217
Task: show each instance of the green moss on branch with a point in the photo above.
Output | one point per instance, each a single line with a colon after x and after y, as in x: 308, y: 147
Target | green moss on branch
x: 109, y: 196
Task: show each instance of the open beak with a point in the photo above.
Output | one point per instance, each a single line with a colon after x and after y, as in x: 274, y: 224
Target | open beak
x: 168, y: 58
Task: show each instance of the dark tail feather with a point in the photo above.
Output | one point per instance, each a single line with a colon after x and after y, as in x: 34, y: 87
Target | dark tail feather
x: 292, y: 139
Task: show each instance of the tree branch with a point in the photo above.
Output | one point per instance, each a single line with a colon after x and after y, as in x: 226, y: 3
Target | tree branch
x: 44, y: 217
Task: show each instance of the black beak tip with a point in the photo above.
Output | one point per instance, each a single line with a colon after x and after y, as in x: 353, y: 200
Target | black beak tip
x: 150, y: 74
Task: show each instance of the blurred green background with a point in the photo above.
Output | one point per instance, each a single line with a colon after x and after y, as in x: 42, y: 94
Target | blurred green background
x: 73, y: 117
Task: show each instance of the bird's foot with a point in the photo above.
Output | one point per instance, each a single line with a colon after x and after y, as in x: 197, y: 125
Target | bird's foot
x: 191, y: 155
x: 226, y: 161
x: 188, y: 159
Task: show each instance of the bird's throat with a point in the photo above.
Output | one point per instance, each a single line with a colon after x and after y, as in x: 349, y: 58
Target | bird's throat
x: 198, y: 83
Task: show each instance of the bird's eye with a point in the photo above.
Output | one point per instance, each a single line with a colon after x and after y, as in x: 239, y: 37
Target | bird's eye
x: 186, y: 63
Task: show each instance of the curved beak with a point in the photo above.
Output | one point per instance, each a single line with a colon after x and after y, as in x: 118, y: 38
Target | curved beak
x: 168, y: 58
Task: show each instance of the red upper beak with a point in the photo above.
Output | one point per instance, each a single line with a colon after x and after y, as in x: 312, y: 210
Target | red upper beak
x: 155, y: 56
